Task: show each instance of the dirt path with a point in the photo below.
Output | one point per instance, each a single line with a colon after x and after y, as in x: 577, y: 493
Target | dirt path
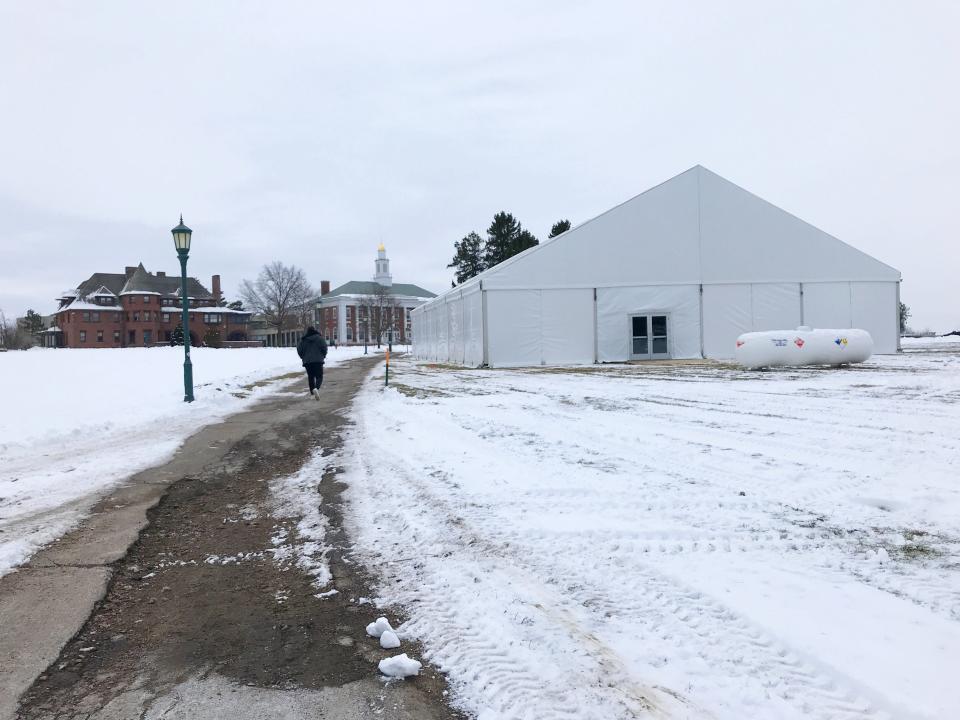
x: 177, y: 636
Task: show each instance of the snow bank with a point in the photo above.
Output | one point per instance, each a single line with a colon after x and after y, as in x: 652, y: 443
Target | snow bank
x: 705, y: 542
x: 400, y: 666
x: 73, y: 423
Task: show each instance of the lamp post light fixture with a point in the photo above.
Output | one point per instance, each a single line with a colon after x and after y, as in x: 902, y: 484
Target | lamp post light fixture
x: 181, y: 241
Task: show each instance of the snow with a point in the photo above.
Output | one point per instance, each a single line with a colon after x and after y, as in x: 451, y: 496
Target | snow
x: 389, y: 640
x: 378, y: 627
x: 400, y: 666
x: 678, y: 539
x: 74, y: 423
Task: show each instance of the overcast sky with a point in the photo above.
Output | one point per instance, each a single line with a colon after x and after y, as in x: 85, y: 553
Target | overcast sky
x: 309, y: 132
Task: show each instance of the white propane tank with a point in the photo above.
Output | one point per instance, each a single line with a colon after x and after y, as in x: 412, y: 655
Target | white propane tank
x: 803, y: 346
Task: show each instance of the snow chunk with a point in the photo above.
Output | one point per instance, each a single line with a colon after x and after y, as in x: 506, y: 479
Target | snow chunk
x: 376, y: 629
x: 400, y: 666
x: 389, y: 640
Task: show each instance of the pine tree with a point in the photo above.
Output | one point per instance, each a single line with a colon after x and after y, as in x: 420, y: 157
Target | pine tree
x: 524, y: 239
x: 468, y: 257
x: 500, y: 238
x: 176, y: 338
x: 505, y: 238
x: 561, y: 226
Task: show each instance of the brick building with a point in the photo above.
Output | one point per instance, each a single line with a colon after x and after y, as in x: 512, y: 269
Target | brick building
x: 354, y: 312
x: 139, y: 309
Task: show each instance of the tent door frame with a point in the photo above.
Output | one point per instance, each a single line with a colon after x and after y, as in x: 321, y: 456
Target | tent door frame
x: 648, y: 316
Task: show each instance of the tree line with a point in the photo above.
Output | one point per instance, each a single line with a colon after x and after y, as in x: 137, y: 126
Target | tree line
x: 505, y: 238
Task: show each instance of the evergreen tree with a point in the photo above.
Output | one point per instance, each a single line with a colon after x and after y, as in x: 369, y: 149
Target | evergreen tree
x: 525, y: 239
x: 904, y: 317
x: 468, y: 257
x: 176, y: 337
x: 236, y: 305
x: 561, y: 226
x: 505, y: 238
x: 32, y: 322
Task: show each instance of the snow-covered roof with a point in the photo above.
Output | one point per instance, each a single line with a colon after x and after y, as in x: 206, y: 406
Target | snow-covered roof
x: 223, y: 310
x: 140, y: 292
x: 82, y: 304
x: 103, y: 291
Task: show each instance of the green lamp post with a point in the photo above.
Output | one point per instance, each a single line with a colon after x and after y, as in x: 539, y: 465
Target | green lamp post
x: 181, y: 241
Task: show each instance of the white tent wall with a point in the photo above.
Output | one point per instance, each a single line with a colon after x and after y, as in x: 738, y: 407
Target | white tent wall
x: 615, y: 305
x: 443, y: 329
x: 566, y: 327
x: 540, y: 327
x: 473, y: 328
x: 513, y: 328
x: 774, y: 306
x: 455, y: 325
x: 827, y: 305
x: 873, y: 307
x: 726, y: 315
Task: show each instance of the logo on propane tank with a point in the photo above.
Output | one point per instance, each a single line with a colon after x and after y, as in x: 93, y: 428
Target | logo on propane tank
x: 779, y: 342
x: 841, y: 342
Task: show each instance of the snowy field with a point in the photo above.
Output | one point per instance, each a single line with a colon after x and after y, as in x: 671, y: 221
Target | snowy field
x: 679, y: 540
x: 73, y: 423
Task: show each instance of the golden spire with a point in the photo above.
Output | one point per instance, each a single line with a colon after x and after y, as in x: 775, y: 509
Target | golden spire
x: 380, y: 247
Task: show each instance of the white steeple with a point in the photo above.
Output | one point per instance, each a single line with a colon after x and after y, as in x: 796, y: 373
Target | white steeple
x: 383, y: 275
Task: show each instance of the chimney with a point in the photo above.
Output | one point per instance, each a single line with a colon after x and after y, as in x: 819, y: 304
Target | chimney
x: 215, y: 286
x: 129, y: 271
x: 160, y: 273
x: 324, y: 287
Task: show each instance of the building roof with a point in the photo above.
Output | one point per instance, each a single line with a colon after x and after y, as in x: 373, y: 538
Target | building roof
x: 143, y: 282
x: 370, y: 287
x: 140, y: 282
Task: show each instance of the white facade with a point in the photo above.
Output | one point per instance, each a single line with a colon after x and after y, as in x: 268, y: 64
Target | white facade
x: 676, y: 272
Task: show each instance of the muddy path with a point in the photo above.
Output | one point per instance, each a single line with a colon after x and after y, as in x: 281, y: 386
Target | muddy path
x: 202, y: 618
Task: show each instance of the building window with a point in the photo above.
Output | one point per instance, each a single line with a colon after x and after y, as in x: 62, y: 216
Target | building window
x: 86, y: 316
x: 147, y: 337
x: 116, y: 337
x: 83, y: 336
x: 211, y: 318
x: 146, y: 316
x: 132, y: 337
x: 166, y: 317
x: 95, y: 316
x: 99, y: 335
x: 349, y: 333
x: 136, y: 317
x: 116, y: 317
x: 146, y: 299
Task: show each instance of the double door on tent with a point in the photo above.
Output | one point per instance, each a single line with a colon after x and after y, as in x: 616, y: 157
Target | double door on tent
x: 649, y: 339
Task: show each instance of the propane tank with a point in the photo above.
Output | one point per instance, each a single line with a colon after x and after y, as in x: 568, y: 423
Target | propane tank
x: 803, y: 346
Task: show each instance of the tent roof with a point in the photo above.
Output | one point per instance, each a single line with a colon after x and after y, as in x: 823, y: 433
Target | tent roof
x: 694, y: 228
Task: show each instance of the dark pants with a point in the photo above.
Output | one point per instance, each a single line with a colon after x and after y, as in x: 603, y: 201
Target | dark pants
x: 314, y: 374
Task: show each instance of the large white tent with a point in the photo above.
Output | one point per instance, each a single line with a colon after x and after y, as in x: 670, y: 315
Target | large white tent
x: 678, y: 271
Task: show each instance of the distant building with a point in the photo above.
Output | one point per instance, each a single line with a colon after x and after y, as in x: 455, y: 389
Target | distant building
x: 137, y: 308
x: 352, y: 313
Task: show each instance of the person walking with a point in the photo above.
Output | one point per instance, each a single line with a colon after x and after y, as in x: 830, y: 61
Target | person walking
x: 313, y: 350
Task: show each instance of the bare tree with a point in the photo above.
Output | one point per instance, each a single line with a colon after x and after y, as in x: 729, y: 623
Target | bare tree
x: 281, y: 294
x: 377, y: 311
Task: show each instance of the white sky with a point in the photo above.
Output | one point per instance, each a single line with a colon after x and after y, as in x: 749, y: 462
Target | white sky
x: 308, y: 132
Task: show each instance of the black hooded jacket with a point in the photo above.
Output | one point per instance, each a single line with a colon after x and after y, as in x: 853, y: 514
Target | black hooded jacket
x: 312, y: 348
